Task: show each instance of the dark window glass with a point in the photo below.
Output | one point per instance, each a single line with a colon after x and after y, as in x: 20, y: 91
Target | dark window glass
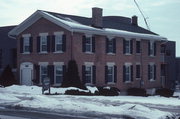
x: 138, y: 47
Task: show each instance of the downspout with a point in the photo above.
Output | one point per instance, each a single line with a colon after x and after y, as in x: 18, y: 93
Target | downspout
x: 71, y: 45
x: 141, y: 80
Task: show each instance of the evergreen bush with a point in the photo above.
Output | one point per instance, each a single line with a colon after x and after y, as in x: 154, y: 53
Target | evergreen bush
x: 77, y: 92
x: 71, y: 78
x: 165, y: 92
x: 7, y: 77
x: 108, y: 91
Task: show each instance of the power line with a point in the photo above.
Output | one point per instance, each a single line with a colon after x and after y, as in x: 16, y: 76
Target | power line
x: 142, y: 15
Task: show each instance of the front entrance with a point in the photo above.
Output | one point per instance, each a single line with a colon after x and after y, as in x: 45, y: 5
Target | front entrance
x: 26, y: 73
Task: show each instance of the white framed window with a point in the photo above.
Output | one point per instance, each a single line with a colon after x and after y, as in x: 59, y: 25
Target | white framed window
x: 127, y: 47
x: 58, y: 43
x: 43, y: 43
x: 151, y: 49
x: 43, y: 72
x: 26, y: 44
x: 151, y: 71
x: 88, y: 44
x: 58, y: 74
x: 128, y: 72
x: 110, y: 46
x: 110, y: 74
x: 88, y: 74
x: 138, y: 71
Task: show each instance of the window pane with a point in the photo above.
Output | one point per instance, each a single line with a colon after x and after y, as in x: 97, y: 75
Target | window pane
x: 26, y: 44
x: 127, y: 46
x: 58, y: 42
x: 110, y: 46
x: 128, y: 74
x: 88, y: 44
x: 59, y: 74
x: 43, y: 43
x: 88, y: 74
x: 43, y: 72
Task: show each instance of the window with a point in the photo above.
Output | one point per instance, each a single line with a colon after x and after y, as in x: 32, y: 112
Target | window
x: 88, y: 44
x: 43, y: 43
x: 151, y: 72
x: 127, y: 46
x: 138, y: 46
x: 110, y: 73
x: 128, y: 73
x: 58, y: 43
x: 26, y: 45
x: 152, y: 48
x: 88, y: 74
x: 43, y: 72
x: 138, y: 71
x: 58, y: 74
x: 1, y: 53
x: 110, y: 45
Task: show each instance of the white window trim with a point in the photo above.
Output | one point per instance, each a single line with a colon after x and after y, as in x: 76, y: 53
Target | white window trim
x: 127, y: 64
x: 91, y: 82
x: 89, y: 52
x: 26, y: 36
x: 43, y: 63
x: 55, y: 73
x: 42, y: 52
x: 112, y: 66
x: 152, y: 64
x: 110, y: 63
x: 58, y: 34
x: 88, y: 63
x: 128, y: 53
x: 41, y: 72
x: 152, y: 48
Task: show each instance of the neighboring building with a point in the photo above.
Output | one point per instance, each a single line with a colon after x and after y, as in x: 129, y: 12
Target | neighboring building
x: 110, y: 50
x: 178, y: 69
x: 168, y: 66
x: 8, y: 53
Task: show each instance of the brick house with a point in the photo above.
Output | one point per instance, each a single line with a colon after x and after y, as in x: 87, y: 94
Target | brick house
x: 109, y: 50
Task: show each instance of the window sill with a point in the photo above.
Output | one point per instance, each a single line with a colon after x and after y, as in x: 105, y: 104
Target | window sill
x: 151, y: 56
x: 26, y: 53
x: 58, y: 52
x: 110, y: 53
x: 138, y: 53
x: 127, y: 54
x: 89, y: 52
x: 111, y: 83
x: 151, y: 80
x: 127, y: 82
x: 43, y: 52
x: 57, y: 84
x: 89, y: 84
x: 138, y: 78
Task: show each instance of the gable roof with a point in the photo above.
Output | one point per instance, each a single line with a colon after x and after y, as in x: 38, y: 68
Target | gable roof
x: 114, y: 26
x: 4, y: 31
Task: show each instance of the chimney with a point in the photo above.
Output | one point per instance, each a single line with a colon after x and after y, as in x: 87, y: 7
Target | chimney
x: 134, y: 20
x: 97, y: 20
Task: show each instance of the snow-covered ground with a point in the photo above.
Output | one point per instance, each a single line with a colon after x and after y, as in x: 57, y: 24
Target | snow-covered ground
x: 31, y: 97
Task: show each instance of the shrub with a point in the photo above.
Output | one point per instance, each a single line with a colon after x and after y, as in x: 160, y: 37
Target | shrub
x: 164, y: 92
x: 77, y: 92
x: 108, y: 91
x: 71, y: 78
x: 136, y: 92
x: 7, y: 77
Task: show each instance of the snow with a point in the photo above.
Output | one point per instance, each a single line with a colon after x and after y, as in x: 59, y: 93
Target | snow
x: 30, y: 96
x: 177, y: 94
x: 75, y: 26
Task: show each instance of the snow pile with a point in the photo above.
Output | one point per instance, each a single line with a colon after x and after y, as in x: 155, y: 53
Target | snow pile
x: 30, y: 96
x: 177, y: 94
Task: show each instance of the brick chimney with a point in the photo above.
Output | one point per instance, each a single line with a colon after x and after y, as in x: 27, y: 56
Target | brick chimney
x: 134, y: 20
x: 97, y: 20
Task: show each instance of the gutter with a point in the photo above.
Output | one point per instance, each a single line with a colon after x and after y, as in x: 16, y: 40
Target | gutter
x: 13, y: 37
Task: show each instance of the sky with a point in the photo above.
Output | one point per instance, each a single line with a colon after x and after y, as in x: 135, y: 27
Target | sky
x: 163, y: 16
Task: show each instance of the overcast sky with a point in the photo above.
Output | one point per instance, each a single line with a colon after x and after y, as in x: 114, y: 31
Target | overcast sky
x: 163, y: 16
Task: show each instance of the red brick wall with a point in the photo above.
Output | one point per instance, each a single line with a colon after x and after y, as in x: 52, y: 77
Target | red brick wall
x: 99, y: 57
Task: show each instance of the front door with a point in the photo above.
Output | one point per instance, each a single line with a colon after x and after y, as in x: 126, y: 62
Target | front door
x: 26, y: 73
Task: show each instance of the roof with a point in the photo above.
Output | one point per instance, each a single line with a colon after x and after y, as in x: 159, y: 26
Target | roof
x: 113, y: 22
x: 4, y: 31
x: 113, y: 25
